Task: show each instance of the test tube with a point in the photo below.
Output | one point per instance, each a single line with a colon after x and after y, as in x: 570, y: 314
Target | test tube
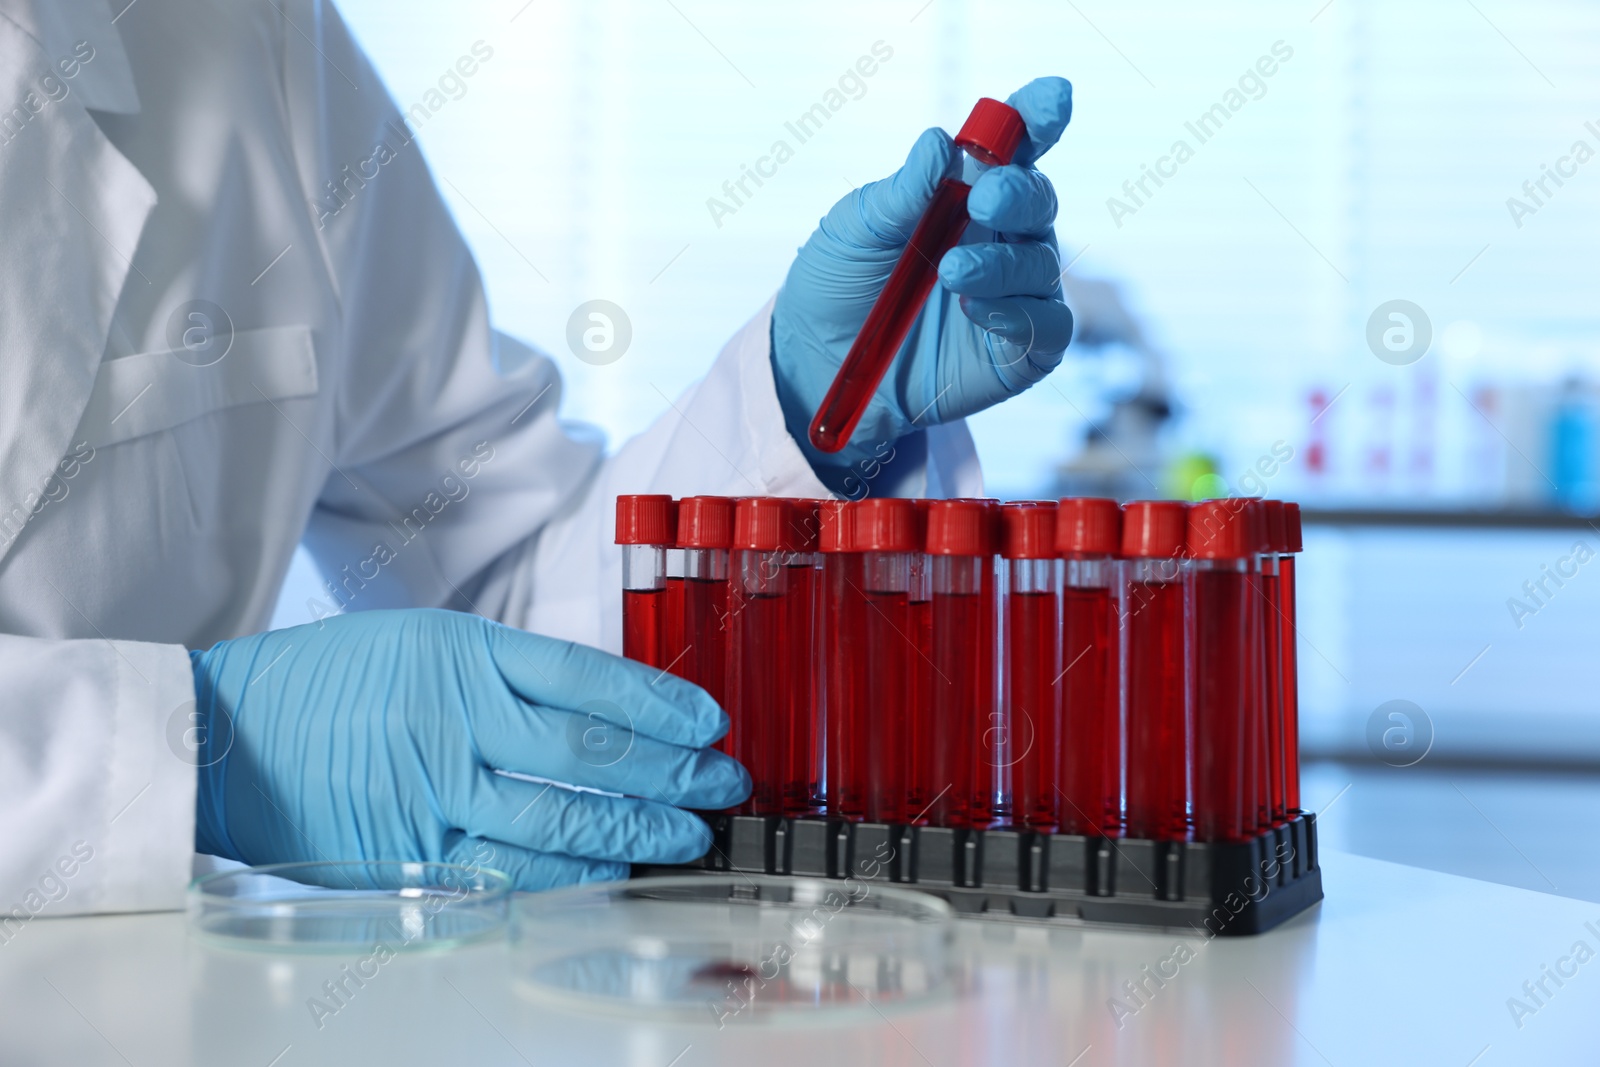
x: 644, y: 530
x: 884, y: 532
x: 989, y: 136
x: 951, y: 781
x: 1088, y: 536
x: 1221, y: 543
x: 1289, y: 657
x: 1258, y: 798
x: 673, y: 642
x: 1032, y: 727
x: 800, y: 780
x: 758, y: 644
x: 1152, y: 669
x: 919, y: 723
x: 867, y: 547
x: 1271, y: 638
x: 705, y: 533
x: 839, y: 611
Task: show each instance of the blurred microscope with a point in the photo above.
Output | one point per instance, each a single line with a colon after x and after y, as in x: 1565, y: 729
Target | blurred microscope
x: 1121, y: 456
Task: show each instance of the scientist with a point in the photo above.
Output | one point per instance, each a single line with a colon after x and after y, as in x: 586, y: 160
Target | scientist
x: 200, y: 370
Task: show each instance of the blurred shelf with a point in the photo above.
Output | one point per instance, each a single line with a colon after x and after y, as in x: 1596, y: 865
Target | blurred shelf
x: 1465, y: 519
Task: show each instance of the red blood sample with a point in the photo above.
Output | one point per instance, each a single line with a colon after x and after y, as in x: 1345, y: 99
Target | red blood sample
x: 644, y: 529
x: 919, y: 673
x: 867, y: 573
x: 1272, y: 633
x: 673, y: 641
x: 839, y: 640
x: 1258, y: 800
x: 1221, y: 541
x: 1033, y: 660
x: 799, y: 779
x: 1288, y: 658
x: 990, y: 135
x: 1088, y: 535
x: 758, y: 647
x: 950, y: 778
x: 705, y: 531
x: 1160, y: 747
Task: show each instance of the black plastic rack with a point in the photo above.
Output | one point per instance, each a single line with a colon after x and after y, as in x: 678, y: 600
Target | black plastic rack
x: 1226, y: 889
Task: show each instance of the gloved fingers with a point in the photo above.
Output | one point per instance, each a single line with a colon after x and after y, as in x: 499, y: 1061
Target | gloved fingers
x: 883, y: 213
x: 1024, y: 337
x: 574, y: 677
x: 1046, y: 107
x: 994, y: 269
x: 530, y: 871
x: 1014, y: 200
x: 549, y: 818
x: 589, y: 748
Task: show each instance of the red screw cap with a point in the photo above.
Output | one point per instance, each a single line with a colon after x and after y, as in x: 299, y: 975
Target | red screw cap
x: 1088, y: 526
x: 644, y: 519
x: 992, y: 132
x: 1291, y: 528
x: 802, y: 529
x: 1223, y: 529
x: 1028, y: 530
x: 705, y: 522
x: 832, y: 519
x: 758, y: 523
x: 961, y: 527
x: 881, y: 524
x: 1154, y: 529
x: 1272, y: 519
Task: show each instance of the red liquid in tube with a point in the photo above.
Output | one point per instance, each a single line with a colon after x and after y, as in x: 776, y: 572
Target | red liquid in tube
x: 839, y: 635
x: 1033, y: 660
x: 758, y: 685
x: 644, y: 529
x: 919, y: 722
x: 799, y: 782
x: 1221, y: 541
x: 1088, y: 535
x: 990, y: 135
x: 705, y: 530
x: 1271, y: 634
x: 962, y: 679
x: 1288, y: 654
x: 866, y: 547
x: 674, y: 644
x: 1258, y: 809
x: 1152, y: 670
x: 886, y: 631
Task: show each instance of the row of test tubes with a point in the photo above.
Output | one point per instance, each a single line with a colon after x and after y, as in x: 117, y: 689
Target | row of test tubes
x: 1076, y: 667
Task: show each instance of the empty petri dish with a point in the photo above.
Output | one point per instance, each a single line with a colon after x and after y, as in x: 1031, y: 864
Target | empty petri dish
x: 732, y: 948
x: 356, y: 904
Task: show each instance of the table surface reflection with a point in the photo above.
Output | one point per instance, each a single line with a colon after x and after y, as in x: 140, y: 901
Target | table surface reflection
x: 1398, y: 965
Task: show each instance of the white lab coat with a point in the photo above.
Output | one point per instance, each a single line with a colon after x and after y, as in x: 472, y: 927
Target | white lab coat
x: 149, y: 505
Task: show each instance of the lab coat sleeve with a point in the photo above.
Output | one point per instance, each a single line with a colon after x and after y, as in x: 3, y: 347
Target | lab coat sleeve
x: 456, y: 483
x: 97, y: 781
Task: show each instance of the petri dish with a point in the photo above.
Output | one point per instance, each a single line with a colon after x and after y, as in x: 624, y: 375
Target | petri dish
x: 729, y: 949
x: 333, y: 906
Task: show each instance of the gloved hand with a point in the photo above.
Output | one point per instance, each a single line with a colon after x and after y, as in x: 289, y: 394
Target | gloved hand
x: 376, y: 735
x: 1013, y: 327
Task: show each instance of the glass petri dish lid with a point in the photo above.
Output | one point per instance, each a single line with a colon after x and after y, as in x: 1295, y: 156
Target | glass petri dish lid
x: 334, y: 906
x: 732, y: 948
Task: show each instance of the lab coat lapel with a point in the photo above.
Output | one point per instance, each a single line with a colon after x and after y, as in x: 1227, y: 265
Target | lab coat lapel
x: 71, y: 212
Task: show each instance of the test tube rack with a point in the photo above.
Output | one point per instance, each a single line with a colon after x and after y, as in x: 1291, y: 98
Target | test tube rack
x: 1224, y: 889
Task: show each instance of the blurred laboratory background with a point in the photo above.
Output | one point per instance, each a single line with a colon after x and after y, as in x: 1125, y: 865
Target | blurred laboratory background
x: 1365, y: 281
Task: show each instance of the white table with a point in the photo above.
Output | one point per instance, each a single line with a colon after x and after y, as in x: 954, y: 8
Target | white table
x: 1397, y: 966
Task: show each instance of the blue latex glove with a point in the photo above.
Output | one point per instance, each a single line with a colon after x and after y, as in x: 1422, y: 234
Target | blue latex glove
x: 1013, y: 327
x: 376, y: 735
